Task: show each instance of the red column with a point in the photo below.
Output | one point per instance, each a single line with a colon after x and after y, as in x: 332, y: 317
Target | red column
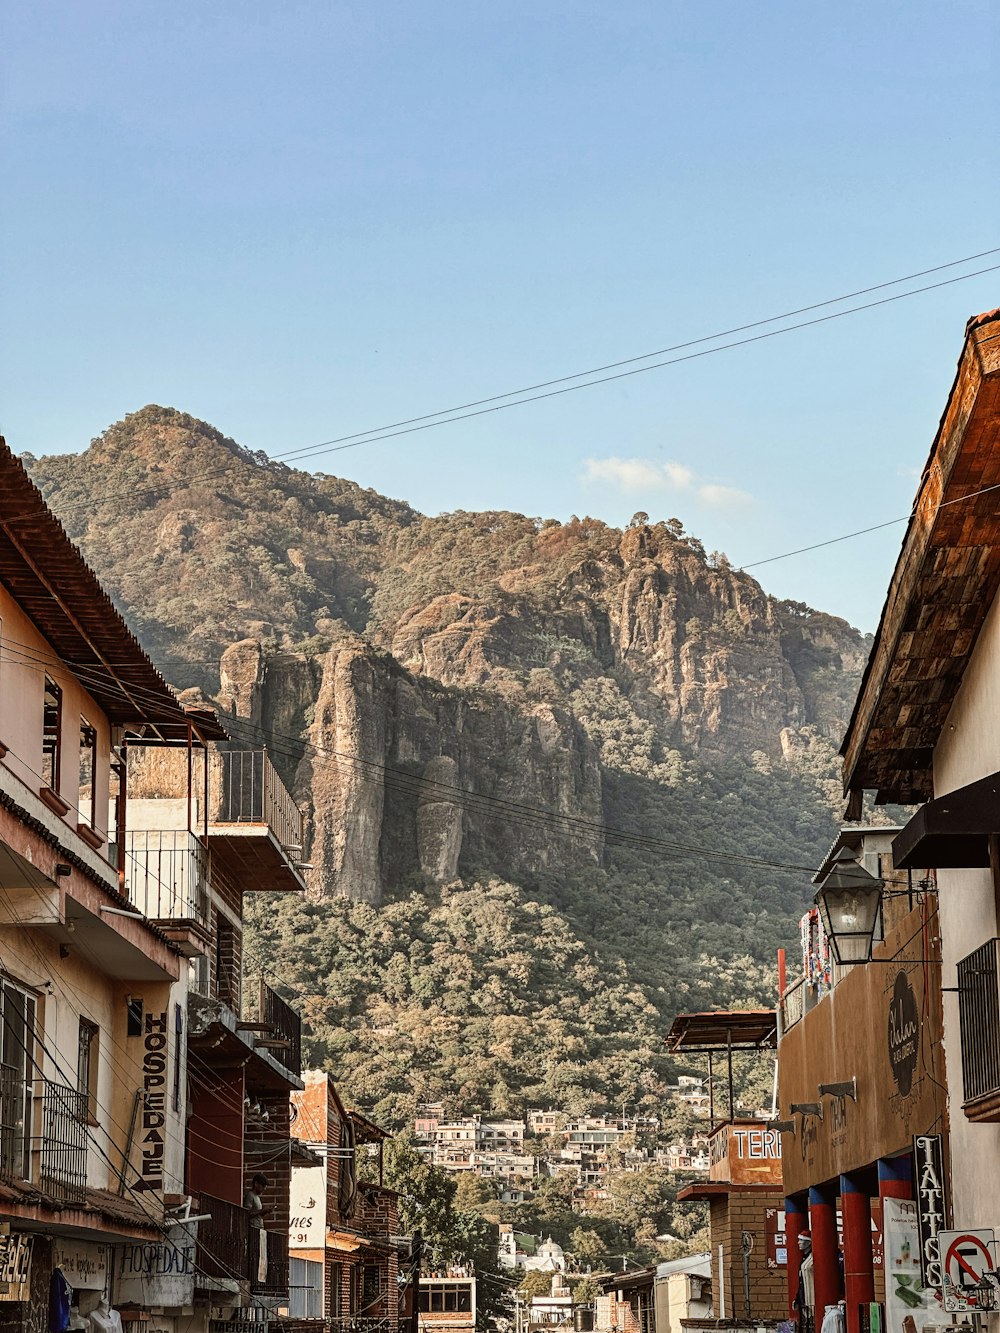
x: 796, y: 1221
x: 826, y: 1268
x: 859, y: 1271
x: 895, y: 1177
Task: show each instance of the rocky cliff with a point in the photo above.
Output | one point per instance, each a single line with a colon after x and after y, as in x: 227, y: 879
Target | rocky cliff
x: 443, y: 687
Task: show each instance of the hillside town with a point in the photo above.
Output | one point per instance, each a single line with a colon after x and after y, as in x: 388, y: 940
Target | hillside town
x: 170, y: 1161
x: 514, y: 1154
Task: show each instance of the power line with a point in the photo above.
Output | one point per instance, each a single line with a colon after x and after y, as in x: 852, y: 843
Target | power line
x: 413, y: 784
x: 529, y: 394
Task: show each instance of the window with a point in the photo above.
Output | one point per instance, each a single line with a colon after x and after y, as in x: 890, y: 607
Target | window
x: 336, y: 1277
x: 371, y: 1287
x: 17, y: 1039
x: 352, y: 1288
x: 86, y: 1066
x: 305, y: 1289
x: 87, y: 802
x: 51, y: 734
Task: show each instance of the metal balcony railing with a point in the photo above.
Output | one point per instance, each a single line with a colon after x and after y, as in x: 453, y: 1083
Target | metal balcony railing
x: 63, y: 1169
x: 979, y: 1021
x: 263, y: 1005
x: 246, y: 789
x: 275, y: 1282
x: 15, y: 1119
x: 223, y: 1241
x: 167, y: 874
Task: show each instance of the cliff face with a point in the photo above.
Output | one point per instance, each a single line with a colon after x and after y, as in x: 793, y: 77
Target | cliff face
x: 394, y: 770
x: 439, y: 685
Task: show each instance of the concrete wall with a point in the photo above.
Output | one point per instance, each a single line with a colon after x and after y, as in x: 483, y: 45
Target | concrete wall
x: 969, y: 748
x: 25, y: 658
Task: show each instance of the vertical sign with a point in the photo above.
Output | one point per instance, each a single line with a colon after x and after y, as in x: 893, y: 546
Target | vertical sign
x: 928, y: 1160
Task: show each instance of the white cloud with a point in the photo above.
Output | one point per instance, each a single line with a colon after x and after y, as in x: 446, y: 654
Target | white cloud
x: 723, y: 497
x: 681, y: 476
x: 641, y: 476
x: 628, y: 474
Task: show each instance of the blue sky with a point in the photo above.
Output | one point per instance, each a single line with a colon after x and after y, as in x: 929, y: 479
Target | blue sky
x: 302, y: 220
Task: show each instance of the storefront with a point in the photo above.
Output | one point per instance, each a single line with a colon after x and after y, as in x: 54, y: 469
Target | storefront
x: 863, y: 1111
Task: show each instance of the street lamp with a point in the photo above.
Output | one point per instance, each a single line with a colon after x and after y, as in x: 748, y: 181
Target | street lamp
x: 848, y: 900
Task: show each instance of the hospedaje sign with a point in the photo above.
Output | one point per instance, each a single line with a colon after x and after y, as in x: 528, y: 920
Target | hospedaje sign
x: 159, y: 1272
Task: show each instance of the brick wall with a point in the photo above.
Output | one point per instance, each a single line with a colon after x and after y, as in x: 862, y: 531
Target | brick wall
x: 730, y: 1216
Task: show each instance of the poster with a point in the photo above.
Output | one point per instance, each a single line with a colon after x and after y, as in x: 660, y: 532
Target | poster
x: 910, y: 1307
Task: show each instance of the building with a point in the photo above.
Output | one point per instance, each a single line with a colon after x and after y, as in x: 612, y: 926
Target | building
x: 926, y: 730
x: 682, y: 1293
x: 140, y: 1092
x: 861, y: 1075
x: 344, y: 1239
x: 744, y: 1186
x: 446, y: 1302
x: 205, y: 826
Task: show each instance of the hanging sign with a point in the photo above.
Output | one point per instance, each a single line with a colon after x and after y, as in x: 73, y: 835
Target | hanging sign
x: 154, y: 1085
x: 968, y: 1262
x: 928, y: 1167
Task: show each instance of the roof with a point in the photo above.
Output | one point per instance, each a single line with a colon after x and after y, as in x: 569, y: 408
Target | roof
x: 854, y: 836
x: 699, y: 1265
x: 945, y: 581
x: 366, y: 1130
x: 722, y: 1029
x: 48, y: 577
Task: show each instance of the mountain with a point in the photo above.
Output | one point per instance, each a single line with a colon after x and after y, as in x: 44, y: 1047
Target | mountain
x: 554, y: 773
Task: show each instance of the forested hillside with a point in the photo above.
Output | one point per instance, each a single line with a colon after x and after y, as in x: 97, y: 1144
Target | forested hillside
x: 554, y: 773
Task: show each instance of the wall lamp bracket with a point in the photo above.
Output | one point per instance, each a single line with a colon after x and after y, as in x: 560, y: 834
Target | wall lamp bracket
x: 807, y: 1108
x: 840, y: 1089
x: 782, y: 1126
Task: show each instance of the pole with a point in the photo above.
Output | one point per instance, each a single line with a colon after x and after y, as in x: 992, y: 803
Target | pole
x: 729, y: 1056
x: 416, y: 1251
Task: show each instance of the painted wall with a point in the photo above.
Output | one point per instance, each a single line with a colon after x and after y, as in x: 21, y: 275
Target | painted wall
x: 969, y: 748
x: 25, y: 657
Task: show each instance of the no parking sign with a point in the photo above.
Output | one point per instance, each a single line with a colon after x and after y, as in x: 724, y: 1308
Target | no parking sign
x: 968, y: 1268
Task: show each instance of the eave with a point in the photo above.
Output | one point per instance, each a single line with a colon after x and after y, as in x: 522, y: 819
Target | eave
x: 944, y: 583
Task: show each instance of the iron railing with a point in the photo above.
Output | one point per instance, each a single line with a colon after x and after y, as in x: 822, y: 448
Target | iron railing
x: 284, y: 1025
x: 793, y: 1004
x: 63, y: 1168
x: 979, y: 1021
x: 167, y: 874
x: 246, y: 789
x: 223, y: 1239
x: 358, y: 1324
x: 15, y: 1120
x: 275, y: 1282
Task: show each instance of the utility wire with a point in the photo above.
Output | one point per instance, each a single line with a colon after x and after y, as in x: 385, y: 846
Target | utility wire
x: 413, y: 784
x: 494, y: 403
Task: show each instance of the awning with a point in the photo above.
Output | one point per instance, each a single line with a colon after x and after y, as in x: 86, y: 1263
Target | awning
x: 951, y: 832
x: 724, y: 1030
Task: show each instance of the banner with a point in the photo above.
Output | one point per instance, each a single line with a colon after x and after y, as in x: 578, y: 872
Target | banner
x: 910, y: 1307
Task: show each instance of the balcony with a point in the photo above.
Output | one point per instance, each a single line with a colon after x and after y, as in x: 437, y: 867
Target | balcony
x: 275, y: 1280
x: 253, y: 824
x: 979, y: 1023
x: 167, y: 878
x: 63, y: 1169
x: 281, y: 1026
x: 223, y: 1253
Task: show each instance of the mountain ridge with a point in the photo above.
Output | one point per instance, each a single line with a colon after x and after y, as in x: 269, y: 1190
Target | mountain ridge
x: 605, y: 679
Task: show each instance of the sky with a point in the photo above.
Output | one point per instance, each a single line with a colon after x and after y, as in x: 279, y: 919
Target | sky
x: 300, y: 221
